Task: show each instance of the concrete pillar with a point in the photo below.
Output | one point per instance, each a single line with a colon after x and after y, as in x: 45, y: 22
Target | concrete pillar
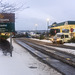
x: 60, y: 30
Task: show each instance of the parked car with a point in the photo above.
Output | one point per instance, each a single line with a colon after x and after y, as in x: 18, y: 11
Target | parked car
x: 61, y: 38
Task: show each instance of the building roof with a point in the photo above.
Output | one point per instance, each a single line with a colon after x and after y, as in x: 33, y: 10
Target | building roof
x: 63, y: 23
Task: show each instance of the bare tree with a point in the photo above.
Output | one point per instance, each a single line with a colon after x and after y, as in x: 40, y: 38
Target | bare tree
x: 10, y: 8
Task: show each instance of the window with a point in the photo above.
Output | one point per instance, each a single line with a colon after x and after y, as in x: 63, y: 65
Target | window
x: 62, y: 36
x: 66, y: 36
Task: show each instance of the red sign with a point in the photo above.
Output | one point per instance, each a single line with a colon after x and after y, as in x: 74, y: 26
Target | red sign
x: 55, y: 31
x: 71, y: 29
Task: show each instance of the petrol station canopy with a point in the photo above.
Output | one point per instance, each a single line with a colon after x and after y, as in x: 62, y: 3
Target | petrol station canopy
x: 63, y: 25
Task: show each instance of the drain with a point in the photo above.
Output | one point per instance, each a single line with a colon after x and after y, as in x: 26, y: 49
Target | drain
x: 32, y: 67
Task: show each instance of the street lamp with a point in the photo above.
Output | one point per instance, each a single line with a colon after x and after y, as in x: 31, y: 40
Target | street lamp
x: 36, y: 27
x: 47, y: 26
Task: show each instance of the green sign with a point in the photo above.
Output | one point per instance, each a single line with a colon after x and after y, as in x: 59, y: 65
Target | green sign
x: 7, y: 27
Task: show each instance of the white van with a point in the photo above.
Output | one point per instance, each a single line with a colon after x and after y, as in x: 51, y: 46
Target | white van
x: 61, y: 38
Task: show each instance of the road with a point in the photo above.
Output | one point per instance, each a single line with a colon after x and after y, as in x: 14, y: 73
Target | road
x: 61, y: 61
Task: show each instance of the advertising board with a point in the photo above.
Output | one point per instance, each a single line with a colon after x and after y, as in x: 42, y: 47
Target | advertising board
x: 7, y: 22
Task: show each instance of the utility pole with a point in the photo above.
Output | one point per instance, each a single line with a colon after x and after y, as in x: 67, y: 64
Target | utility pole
x: 47, y: 26
x: 36, y: 27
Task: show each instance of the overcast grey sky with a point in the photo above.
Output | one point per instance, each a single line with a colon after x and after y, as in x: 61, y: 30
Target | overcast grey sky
x: 56, y: 10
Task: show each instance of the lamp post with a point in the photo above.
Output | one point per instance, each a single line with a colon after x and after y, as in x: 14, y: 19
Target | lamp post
x: 36, y: 27
x: 47, y: 26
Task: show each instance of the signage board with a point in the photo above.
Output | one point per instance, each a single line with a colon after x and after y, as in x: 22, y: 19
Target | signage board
x: 7, y: 22
x: 7, y: 27
x: 71, y: 29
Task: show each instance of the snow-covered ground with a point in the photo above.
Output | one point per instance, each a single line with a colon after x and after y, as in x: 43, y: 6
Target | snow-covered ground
x: 69, y: 44
x: 42, y: 40
x: 23, y: 63
x: 61, y: 49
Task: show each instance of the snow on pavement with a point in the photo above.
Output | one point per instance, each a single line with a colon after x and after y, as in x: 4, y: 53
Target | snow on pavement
x: 70, y: 51
x: 60, y: 49
x: 70, y: 44
x: 23, y: 63
x: 48, y: 41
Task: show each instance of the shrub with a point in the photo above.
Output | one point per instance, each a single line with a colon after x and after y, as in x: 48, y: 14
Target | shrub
x: 42, y: 37
x: 4, y: 37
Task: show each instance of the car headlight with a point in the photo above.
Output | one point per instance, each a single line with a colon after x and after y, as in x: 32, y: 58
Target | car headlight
x: 52, y: 39
x: 58, y: 39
